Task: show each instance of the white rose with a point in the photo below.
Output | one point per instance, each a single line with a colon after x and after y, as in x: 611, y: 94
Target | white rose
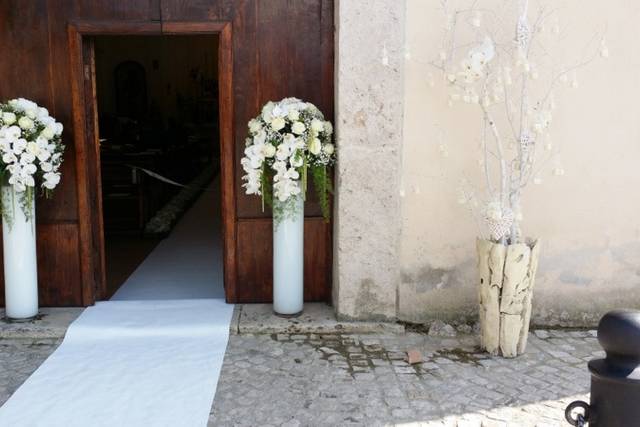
x: 267, y: 112
x: 269, y: 150
x: 298, y: 128
x: 328, y: 127
x: 260, y: 137
x: 317, y: 126
x: 254, y: 126
x: 25, y: 123
x: 46, y: 167
x: 31, y: 113
x: 58, y: 128
x: 315, y: 146
x: 42, y: 113
x: 48, y: 132
x: 329, y: 149
x: 294, y: 115
x: 277, y: 124
x: 32, y: 148
x: 8, y: 118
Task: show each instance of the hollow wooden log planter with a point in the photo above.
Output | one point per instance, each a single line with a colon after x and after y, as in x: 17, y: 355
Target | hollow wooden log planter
x: 506, y: 279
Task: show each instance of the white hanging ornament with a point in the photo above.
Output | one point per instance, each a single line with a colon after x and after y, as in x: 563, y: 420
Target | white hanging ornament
x: 444, y: 152
x: 448, y: 24
x: 477, y: 20
x: 555, y: 28
x: 604, y: 50
x: 534, y: 74
x: 574, y: 82
x: 430, y: 80
x: 385, y: 56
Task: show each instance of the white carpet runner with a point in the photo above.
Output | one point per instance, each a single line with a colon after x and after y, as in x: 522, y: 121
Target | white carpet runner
x: 150, y: 357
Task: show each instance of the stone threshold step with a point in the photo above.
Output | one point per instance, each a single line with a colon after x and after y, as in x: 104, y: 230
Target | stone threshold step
x: 316, y: 318
x: 52, y: 322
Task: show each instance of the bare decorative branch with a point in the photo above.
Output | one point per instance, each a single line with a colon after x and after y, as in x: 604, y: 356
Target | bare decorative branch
x: 494, y: 58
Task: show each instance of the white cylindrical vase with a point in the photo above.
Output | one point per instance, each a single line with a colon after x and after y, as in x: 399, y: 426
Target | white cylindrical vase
x: 19, y: 250
x: 288, y: 257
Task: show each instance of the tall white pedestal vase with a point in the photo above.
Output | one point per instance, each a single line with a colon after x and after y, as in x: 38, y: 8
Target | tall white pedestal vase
x: 30, y: 157
x: 19, y: 250
x: 288, y: 258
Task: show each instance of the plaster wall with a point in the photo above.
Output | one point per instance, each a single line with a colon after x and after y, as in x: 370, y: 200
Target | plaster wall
x: 587, y: 219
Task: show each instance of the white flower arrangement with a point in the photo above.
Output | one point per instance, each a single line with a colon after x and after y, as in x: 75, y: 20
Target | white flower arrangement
x: 162, y: 221
x: 288, y: 139
x: 30, y: 148
x: 509, y: 74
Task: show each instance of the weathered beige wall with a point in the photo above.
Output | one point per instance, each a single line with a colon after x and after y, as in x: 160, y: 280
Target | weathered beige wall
x: 369, y: 123
x: 588, y: 219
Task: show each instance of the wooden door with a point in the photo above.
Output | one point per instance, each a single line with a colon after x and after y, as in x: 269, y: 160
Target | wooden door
x: 277, y: 48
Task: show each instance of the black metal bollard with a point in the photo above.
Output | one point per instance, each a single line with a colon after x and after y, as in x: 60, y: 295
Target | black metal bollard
x: 615, y: 380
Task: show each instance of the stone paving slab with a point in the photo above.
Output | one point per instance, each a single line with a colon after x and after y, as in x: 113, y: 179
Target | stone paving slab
x: 51, y: 323
x: 316, y: 318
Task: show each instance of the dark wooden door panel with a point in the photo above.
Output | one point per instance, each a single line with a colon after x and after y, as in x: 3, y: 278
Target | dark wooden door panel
x: 282, y: 48
x: 197, y: 10
x: 255, y: 260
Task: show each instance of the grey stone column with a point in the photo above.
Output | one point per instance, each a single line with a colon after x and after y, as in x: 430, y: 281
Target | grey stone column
x: 369, y: 123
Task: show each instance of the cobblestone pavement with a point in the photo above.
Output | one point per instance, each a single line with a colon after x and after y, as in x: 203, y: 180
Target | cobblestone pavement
x: 18, y: 359
x: 311, y: 380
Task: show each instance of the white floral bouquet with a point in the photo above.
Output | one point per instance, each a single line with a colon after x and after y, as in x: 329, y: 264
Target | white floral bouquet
x: 31, y: 149
x: 286, y: 141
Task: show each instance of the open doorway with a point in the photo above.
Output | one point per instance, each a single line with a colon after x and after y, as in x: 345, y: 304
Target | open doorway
x: 159, y: 156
